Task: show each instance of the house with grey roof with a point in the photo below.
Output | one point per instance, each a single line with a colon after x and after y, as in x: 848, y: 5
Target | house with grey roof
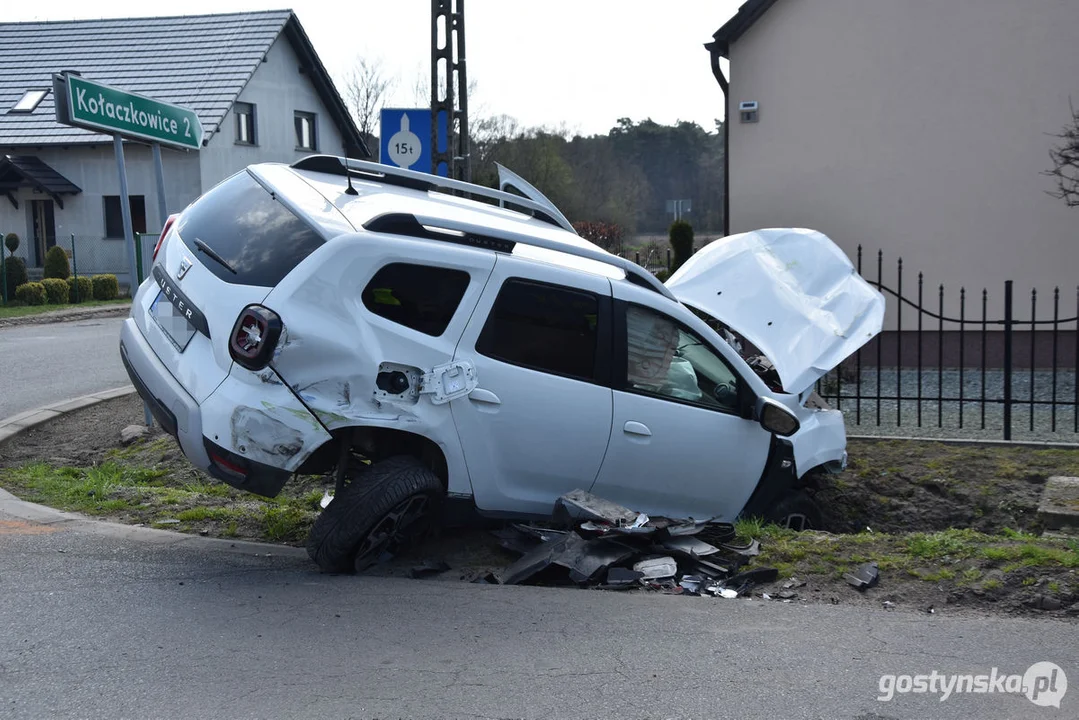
x: 923, y: 128
x: 254, y: 78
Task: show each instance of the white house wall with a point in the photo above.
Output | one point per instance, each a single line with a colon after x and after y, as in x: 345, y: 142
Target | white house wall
x: 920, y: 127
x: 277, y: 89
x: 93, y: 169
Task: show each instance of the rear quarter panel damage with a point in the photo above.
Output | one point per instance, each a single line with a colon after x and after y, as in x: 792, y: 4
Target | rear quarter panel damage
x: 332, y: 347
x: 261, y: 421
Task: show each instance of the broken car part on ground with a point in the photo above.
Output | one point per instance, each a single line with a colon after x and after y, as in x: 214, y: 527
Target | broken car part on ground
x: 605, y: 545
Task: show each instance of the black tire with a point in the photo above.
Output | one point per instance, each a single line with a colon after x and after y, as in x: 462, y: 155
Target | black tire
x: 797, y: 511
x: 394, y: 505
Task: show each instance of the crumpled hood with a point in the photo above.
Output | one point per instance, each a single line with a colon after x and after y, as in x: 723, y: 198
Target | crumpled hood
x: 791, y: 292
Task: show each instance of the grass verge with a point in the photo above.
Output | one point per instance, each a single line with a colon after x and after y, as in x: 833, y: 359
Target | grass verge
x: 12, y: 312
x: 160, y: 497
x: 1011, y: 566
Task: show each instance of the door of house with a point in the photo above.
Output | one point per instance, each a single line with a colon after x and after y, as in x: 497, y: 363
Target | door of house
x: 44, y: 224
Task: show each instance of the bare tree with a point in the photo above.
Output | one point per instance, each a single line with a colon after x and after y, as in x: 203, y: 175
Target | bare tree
x: 1065, y: 159
x: 366, y: 89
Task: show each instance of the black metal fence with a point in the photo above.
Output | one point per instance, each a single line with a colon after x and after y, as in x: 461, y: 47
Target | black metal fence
x: 954, y: 368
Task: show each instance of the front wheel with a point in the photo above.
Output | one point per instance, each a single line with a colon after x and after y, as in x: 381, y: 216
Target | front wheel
x: 393, y: 507
x: 796, y: 511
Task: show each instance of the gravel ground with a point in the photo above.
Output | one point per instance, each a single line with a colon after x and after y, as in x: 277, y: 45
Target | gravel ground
x: 951, y: 418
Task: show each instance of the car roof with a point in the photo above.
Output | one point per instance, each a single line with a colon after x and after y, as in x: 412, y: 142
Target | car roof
x: 375, y: 199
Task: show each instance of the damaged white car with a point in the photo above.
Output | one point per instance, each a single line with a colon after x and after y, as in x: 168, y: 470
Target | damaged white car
x: 347, y: 318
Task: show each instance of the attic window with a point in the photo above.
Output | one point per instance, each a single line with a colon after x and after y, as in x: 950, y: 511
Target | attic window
x: 29, y: 100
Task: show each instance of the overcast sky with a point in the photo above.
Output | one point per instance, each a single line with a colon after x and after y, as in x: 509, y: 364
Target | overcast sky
x: 584, y: 63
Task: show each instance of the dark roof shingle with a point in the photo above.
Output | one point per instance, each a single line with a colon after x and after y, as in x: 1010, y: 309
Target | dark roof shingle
x: 199, y: 61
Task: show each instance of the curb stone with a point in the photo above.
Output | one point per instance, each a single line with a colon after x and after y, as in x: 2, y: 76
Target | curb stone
x: 12, y: 426
x: 68, y: 315
x: 59, y: 519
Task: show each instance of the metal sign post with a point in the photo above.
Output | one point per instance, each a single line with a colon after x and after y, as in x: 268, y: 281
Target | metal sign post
x: 159, y: 172
x: 129, y: 235
x: 89, y: 104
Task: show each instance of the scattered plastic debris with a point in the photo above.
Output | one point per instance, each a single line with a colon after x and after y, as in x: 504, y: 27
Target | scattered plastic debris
x: 866, y: 576
x: 655, y: 568
x: 598, y: 543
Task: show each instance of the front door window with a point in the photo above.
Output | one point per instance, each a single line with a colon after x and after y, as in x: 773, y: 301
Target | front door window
x: 665, y: 359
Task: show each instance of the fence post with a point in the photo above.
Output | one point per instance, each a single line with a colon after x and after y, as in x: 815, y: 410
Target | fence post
x: 668, y: 259
x: 3, y: 273
x: 1007, y: 359
x: 75, y: 269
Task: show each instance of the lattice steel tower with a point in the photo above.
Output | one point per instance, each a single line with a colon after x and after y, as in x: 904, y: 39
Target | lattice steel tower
x: 449, y: 88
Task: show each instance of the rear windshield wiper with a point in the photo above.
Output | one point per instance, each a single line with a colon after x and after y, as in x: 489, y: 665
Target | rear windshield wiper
x: 210, y: 251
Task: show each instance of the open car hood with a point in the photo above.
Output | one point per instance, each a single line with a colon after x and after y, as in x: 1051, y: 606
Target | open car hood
x: 790, y: 292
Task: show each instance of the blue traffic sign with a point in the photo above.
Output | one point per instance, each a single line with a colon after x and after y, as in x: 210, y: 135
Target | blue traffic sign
x: 405, y: 138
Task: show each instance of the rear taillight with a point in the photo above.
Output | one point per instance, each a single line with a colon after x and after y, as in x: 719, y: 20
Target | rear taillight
x: 254, y: 337
x: 164, y: 232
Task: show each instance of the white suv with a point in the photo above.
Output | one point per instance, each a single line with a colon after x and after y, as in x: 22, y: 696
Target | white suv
x: 336, y: 316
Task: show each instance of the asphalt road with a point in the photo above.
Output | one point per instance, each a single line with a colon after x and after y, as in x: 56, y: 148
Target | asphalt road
x: 42, y: 364
x: 104, y: 623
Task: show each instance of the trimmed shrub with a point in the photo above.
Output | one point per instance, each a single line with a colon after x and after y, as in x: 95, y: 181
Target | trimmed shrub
x: 105, y: 287
x: 11, y: 241
x: 662, y: 276
x: 15, y: 267
x: 31, y: 293
x: 56, y: 290
x: 56, y: 264
x: 681, y: 235
x: 86, y: 289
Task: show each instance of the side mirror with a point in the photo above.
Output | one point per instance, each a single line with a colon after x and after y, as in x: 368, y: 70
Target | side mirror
x: 775, y: 418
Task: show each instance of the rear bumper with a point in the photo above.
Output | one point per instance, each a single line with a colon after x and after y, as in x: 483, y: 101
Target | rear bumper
x: 180, y: 416
x: 171, y: 405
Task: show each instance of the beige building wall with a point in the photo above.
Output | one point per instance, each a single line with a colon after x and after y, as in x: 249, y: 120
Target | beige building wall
x: 918, y: 126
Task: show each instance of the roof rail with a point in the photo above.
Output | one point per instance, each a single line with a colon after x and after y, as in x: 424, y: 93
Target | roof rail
x: 400, y: 177
x: 481, y: 236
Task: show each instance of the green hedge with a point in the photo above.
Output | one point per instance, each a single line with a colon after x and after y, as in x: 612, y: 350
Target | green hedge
x: 56, y: 263
x: 86, y: 289
x: 15, y: 267
x: 105, y: 287
x: 57, y: 290
x: 31, y: 293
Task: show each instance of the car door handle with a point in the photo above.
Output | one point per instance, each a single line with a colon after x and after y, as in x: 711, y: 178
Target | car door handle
x: 484, y: 396
x: 636, y: 428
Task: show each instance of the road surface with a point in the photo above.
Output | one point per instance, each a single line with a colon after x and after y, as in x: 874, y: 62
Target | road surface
x: 43, y: 364
x: 100, y: 623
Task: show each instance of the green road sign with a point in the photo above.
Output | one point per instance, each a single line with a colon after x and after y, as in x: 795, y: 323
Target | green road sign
x: 100, y: 107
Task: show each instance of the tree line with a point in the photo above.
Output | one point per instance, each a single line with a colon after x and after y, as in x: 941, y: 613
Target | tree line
x: 623, y: 178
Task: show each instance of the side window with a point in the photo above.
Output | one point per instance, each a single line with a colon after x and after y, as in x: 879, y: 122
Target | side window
x: 666, y: 360
x: 543, y: 327
x: 420, y: 297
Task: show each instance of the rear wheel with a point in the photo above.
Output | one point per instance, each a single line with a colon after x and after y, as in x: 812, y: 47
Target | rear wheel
x: 372, y: 519
x: 796, y: 511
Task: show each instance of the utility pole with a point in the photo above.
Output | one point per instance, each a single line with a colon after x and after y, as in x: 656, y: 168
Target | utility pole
x: 449, y: 91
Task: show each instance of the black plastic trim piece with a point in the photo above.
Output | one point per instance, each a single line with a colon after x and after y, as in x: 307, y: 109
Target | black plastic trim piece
x: 259, y: 478
x: 165, y: 417
x: 780, y: 476
x: 180, y: 301
x: 407, y: 225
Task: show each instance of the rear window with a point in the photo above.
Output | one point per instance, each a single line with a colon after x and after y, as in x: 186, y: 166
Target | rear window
x: 420, y: 297
x: 543, y: 327
x: 253, y: 233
